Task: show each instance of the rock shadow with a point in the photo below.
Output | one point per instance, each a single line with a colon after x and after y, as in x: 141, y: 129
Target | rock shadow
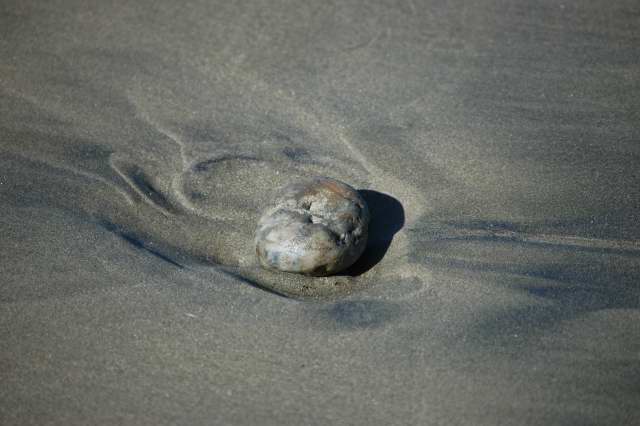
x: 387, y: 218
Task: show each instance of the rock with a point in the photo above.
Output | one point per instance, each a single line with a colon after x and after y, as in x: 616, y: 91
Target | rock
x: 317, y: 227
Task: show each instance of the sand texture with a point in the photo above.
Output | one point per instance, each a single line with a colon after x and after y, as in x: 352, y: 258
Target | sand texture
x: 496, y: 143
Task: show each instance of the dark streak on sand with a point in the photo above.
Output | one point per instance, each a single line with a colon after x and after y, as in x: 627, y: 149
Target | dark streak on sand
x: 255, y: 284
x: 362, y: 314
x: 206, y: 165
x: 137, y: 242
x: 143, y: 183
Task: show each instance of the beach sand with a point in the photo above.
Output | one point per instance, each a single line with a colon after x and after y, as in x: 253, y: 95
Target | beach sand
x: 497, y: 144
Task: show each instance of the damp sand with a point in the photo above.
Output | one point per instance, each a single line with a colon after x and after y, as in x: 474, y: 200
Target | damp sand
x: 496, y: 146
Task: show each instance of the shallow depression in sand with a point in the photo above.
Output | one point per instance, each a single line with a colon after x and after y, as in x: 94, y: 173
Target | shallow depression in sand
x: 233, y: 186
x: 216, y: 201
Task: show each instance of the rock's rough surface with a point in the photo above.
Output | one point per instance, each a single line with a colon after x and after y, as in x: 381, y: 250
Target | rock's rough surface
x: 317, y: 227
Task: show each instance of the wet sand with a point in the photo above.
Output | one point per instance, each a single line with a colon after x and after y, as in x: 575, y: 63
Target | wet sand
x: 496, y: 144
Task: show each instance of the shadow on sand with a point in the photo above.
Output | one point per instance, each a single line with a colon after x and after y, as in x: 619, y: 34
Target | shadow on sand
x: 387, y: 218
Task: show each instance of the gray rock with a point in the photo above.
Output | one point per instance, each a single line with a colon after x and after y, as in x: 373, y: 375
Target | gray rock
x: 317, y: 227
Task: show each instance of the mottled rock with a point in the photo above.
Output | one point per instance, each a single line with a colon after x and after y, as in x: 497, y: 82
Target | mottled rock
x: 316, y: 227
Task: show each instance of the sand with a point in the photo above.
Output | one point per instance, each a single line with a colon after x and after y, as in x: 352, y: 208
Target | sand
x: 496, y: 144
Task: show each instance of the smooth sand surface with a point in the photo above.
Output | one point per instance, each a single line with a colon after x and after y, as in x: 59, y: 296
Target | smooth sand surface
x: 498, y: 146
